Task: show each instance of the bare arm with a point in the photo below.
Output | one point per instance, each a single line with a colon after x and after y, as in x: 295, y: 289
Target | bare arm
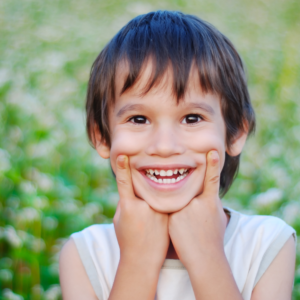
x: 74, y: 282
x: 134, y: 281
x: 217, y: 282
x: 277, y: 282
x: 197, y: 232
x: 213, y: 279
x: 143, y: 239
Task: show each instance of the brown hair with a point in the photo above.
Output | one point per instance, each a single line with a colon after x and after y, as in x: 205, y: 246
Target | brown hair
x: 179, y: 40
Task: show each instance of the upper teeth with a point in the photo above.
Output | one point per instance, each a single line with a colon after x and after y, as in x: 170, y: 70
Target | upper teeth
x: 166, y: 172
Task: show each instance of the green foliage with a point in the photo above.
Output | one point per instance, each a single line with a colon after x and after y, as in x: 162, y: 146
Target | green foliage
x: 52, y: 183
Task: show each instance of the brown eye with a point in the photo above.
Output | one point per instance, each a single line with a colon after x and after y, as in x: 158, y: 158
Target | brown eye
x: 139, y: 120
x: 191, y: 119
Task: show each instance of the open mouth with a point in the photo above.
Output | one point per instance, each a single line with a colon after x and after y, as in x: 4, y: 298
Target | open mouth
x: 166, y: 176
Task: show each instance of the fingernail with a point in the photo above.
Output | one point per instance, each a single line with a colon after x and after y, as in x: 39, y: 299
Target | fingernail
x: 214, y: 155
x: 122, y: 160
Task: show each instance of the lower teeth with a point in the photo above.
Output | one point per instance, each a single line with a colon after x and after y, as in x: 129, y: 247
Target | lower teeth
x: 166, y: 180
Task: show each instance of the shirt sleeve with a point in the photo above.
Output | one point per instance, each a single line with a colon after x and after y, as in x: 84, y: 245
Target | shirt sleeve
x: 274, y: 249
x: 88, y: 263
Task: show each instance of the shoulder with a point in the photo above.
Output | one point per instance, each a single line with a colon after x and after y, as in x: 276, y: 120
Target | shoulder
x: 277, y: 281
x: 73, y: 277
x: 257, y: 243
x: 260, y: 226
x: 262, y: 235
x: 95, y: 250
x: 95, y: 238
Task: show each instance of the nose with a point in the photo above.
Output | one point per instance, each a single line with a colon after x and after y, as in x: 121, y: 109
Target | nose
x: 165, y: 142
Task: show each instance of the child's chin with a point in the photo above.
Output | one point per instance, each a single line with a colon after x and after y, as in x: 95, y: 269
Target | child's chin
x: 167, y: 206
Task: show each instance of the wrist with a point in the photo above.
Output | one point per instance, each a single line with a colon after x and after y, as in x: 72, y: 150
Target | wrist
x: 203, y: 265
x: 141, y: 263
x: 206, y: 273
x: 200, y: 263
x: 134, y: 280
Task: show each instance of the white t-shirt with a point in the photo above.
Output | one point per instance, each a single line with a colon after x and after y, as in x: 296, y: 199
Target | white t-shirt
x: 250, y: 243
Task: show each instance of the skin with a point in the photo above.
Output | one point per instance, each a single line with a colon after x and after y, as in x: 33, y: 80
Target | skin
x: 153, y: 223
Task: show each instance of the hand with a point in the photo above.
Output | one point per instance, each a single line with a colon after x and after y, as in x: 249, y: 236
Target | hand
x: 197, y: 231
x: 142, y: 233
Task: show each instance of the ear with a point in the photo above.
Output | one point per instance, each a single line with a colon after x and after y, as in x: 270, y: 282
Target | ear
x: 238, y: 143
x: 100, y: 144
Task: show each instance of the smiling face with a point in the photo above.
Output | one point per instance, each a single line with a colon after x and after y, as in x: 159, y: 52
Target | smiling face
x: 166, y: 142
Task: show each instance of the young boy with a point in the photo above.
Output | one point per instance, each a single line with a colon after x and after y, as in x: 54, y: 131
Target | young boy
x: 168, y: 104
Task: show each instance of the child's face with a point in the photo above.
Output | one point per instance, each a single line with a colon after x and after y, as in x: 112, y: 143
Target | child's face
x: 156, y: 133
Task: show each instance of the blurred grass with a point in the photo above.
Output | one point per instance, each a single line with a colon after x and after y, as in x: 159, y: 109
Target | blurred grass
x: 52, y: 183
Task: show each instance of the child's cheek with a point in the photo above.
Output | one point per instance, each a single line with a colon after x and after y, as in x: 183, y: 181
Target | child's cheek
x: 208, y: 141
x: 124, y: 143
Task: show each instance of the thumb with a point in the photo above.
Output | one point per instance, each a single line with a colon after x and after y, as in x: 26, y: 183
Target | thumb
x: 212, y: 176
x: 123, y: 177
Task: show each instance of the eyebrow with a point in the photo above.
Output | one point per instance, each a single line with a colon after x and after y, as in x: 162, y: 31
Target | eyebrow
x: 203, y: 106
x: 130, y: 107
x: 134, y: 107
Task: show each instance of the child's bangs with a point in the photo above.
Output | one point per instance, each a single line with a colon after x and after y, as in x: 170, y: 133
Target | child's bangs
x: 169, y: 41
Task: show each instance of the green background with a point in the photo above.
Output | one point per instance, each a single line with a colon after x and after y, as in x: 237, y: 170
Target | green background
x: 52, y: 183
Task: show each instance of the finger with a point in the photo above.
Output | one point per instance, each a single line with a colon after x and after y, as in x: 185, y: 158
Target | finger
x: 212, y: 176
x: 123, y: 177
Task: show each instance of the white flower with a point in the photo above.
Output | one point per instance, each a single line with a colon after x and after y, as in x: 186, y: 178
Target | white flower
x: 41, y: 149
x: 5, y: 76
x: 70, y: 206
x: 91, y: 209
x: 54, y: 268
x: 291, y: 212
x: 41, y: 202
x: 50, y: 223
x: 13, y: 202
x: 271, y: 196
x: 38, y: 245
x: 53, y: 293
x: 24, y: 236
x: 37, y: 289
x: 29, y: 214
x: 34, y: 243
x: 8, y: 294
x: 42, y: 180
x: 4, y: 161
x: 12, y: 237
x: 6, y: 275
x: 27, y: 187
x: 15, y: 134
x: 6, y: 262
x: 45, y: 182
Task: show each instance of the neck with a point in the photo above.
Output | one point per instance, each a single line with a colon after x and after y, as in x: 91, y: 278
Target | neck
x: 171, y: 254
